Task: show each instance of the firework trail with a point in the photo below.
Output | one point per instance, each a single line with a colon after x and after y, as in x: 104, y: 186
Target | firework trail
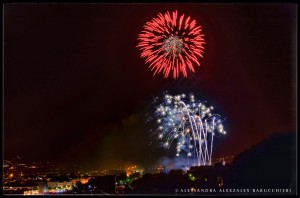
x: 190, y: 124
x: 171, y: 44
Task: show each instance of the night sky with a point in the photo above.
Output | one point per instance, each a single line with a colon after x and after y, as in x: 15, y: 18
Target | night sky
x: 76, y: 90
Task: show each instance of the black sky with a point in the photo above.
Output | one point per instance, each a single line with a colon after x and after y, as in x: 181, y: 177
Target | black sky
x: 76, y: 90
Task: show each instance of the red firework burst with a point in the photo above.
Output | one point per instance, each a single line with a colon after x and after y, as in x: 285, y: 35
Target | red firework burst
x: 171, y: 44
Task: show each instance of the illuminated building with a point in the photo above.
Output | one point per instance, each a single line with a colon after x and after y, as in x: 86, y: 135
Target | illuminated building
x: 42, y: 187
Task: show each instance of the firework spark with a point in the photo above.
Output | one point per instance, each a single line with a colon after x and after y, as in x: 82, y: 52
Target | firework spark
x: 171, y: 44
x: 191, y: 124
